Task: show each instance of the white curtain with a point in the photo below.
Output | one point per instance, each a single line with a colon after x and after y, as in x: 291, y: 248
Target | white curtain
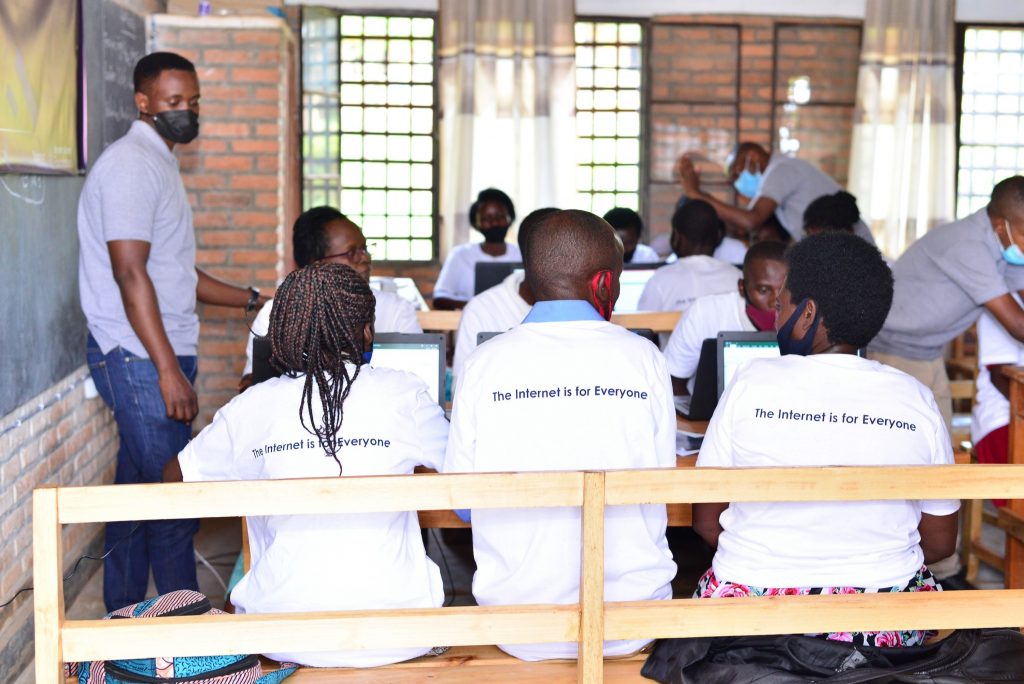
x: 903, y: 160
x: 507, y: 97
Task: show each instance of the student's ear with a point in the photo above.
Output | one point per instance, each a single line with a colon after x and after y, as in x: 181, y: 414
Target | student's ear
x: 368, y: 333
x: 142, y: 103
x: 806, y: 320
x: 743, y: 288
x: 602, y: 293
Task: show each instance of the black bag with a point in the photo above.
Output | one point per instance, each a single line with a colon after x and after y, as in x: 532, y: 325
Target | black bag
x: 970, y: 656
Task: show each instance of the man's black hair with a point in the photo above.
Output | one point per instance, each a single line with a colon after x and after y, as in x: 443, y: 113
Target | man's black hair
x: 309, y: 239
x: 529, y: 223
x: 848, y: 279
x: 768, y: 250
x: 491, y: 195
x: 1007, y: 197
x: 152, y: 65
x: 698, y: 222
x: 623, y: 218
x: 832, y: 212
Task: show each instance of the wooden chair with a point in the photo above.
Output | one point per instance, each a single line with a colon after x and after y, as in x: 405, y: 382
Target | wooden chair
x: 590, y: 621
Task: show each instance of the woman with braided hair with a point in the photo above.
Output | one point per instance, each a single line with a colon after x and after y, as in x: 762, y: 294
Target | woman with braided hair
x: 329, y: 414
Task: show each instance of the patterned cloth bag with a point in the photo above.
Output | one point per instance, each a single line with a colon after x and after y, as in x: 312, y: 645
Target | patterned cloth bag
x: 220, y: 669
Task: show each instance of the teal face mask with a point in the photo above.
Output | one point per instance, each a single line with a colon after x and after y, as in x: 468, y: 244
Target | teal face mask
x: 1012, y: 254
x: 748, y: 183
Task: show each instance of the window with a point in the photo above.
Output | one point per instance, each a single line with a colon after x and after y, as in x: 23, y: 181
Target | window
x: 368, y: 126
x: 609, y: 64
x: 991, y: 144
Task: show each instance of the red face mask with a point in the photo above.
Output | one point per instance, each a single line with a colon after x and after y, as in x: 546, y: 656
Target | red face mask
x: 602, y: 279
x: 762, y: 320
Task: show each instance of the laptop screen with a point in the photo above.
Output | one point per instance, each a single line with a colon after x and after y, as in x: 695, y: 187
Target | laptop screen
x: 735, y: 348
x: 631, y: 286
x: 487, y: 274
x: 421, y: 354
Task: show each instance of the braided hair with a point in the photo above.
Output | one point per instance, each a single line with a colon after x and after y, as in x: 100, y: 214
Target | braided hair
x: 316, y: 330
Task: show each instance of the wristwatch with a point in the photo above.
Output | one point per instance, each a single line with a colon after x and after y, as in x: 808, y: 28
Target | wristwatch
x: 254, y: 298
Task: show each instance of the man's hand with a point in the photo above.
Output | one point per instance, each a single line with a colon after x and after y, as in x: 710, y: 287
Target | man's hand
x: 179, y: 395
x: 689, y: 179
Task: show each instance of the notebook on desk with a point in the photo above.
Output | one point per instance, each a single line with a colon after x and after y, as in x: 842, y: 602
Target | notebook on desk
x: 422, y: 354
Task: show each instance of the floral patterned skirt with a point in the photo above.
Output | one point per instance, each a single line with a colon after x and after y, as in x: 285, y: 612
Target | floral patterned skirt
x: 710, y: 586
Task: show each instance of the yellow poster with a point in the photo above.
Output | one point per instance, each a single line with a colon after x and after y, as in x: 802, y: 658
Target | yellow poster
x: 39, y: 86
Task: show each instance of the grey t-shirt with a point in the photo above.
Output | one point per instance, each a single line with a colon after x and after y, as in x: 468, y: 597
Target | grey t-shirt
x: 794, y: 184
x: 942, y: 283
x: 134, y: 192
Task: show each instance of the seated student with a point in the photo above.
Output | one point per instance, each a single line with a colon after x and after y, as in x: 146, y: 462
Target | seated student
x: 820, y: 404
x: 492, y: 214
x: 729, y: 249
x: 329, y: 415
x: 696, y: 232
x: 770, y: 230
x: 604, y: 401
x: 750, y: 308
x: 324, y: 234
x: 990, y: 417
x: 498, y: 308
x: 630, y: 227
x: 832, y: 212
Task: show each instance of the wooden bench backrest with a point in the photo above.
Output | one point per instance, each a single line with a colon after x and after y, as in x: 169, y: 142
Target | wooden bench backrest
x: 659, y: 322
x: 590, y: 621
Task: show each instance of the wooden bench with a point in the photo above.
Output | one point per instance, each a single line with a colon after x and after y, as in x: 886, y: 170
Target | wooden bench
x: 659, y: 322
x: 589, y: 622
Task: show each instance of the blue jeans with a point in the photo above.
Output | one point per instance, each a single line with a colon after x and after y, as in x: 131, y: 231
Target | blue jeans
x: 148, y: 439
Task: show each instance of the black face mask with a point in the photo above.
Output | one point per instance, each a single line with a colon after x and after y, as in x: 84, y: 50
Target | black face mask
x: 177, y: 125
x: 495, y: 235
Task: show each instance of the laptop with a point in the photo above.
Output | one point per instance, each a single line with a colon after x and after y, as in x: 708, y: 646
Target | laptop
x: 702, y: 402
x: 487, y: 274
x: 422, y: 354
x: 404, y: 287
x: 736, y: 347
x: 631, y: 285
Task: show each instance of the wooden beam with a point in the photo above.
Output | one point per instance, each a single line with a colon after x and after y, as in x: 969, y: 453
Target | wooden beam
x: 658, y: 321
x: 758, y: 615
x: 703, y: 485
x: 47, y: 569
x: 440, y: 321
x: 320, y: 496
x: 323, y: 631
x: 591, y: 636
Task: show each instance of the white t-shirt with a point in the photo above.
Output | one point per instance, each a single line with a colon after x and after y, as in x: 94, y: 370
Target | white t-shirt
x: 676, y: 286
x: 995, y: 346
x: 392, y: 314
x: 496, y: 309
x: 824, y: 544
x: 458, y: 275
x: 329, y: 562
x: 644, y: 255
x: 532, y: 555
x: 731, y: 251
x: 706, y: 318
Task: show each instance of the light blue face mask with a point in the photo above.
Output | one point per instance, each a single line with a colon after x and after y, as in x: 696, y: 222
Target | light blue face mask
x: 1012, y: 254
x: 748, y: 183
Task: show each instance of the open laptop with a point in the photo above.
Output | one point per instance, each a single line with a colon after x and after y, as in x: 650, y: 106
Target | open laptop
x: 701, y: 403
x: 422, y: 354
x: 402, y: 286
x: 487, y: 274
x: 736, y: 347
x: 631, y: 285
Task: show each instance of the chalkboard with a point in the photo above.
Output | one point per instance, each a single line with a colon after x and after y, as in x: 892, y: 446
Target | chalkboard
x: 42, y: 338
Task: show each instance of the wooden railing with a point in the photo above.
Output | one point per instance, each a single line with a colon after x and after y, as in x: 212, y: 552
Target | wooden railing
x: 659, y: 322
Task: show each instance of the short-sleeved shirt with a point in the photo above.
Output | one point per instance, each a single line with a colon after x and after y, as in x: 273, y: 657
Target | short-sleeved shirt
x: 134, y: 192
x: 351, y: 561
x: 496, y: 309
x: 793, y: 184
x: 392, y: 314
x: 731, y: 251
x: 942, y: 283
x: 564, y: 391
x: 644, y: 254
x: 676, y: 286
x: 706, y: 318
x: 824, y: 410
x: 995, y: 346
x: 457, y: 278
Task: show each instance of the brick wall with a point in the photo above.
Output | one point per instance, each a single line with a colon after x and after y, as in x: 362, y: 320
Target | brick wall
x: 241, y: 173
x: 71, y: 440
x: 716, y: 79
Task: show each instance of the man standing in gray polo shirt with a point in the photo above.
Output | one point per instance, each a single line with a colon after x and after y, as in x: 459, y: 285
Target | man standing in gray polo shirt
x: 139, y: 285
x: 774, y: 183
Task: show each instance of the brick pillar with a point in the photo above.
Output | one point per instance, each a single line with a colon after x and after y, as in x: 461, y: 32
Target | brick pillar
x: 242, y: 172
